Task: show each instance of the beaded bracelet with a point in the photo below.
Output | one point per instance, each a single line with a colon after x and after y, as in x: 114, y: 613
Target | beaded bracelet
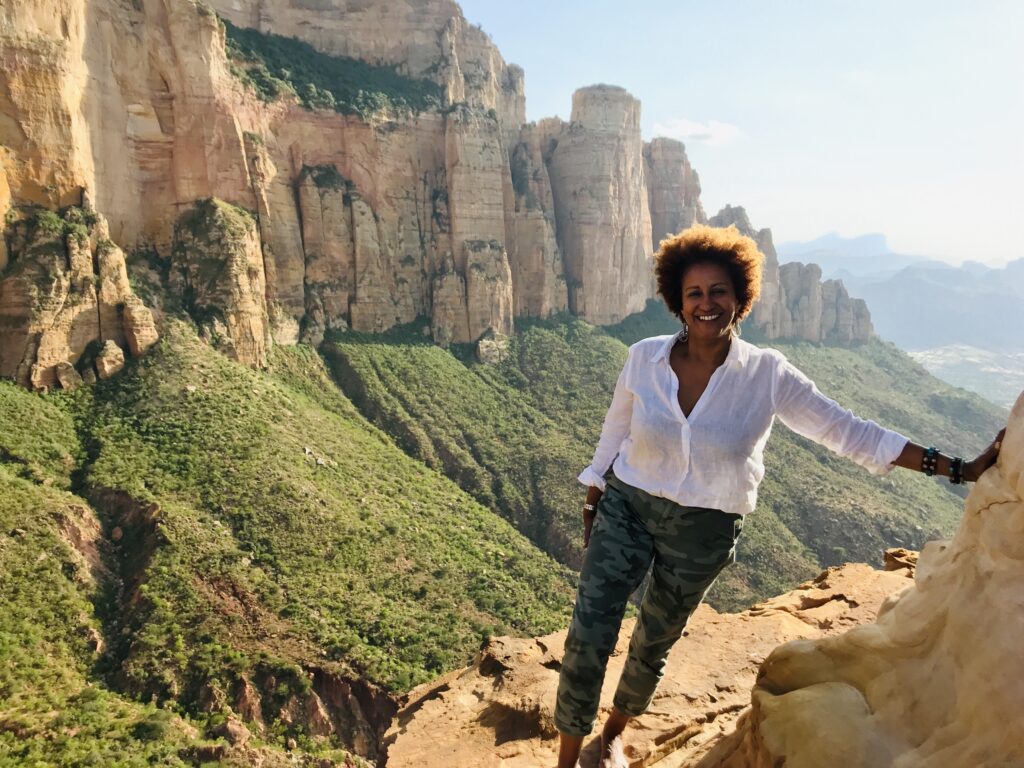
x: 930, y: 461
x: 956, y: 471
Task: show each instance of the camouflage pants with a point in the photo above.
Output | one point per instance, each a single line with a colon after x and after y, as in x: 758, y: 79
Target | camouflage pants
x: 688, y: 547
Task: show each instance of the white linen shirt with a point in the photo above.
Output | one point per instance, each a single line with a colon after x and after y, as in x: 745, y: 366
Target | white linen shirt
x: 715, y: 457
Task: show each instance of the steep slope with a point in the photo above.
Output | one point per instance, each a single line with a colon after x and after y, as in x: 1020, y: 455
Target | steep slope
x: 515, y: 435
x: 56, y: 580
x: 260, y: 552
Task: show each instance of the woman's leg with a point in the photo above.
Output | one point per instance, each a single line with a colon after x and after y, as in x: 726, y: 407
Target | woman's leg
x: 692, y: 547
x: 619, y: 554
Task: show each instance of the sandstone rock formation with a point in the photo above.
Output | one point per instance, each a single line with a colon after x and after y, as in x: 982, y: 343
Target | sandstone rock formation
x: 217, y: 273
x: 936, y: 681
x: 423, y: 39
x: 65, y: 289
x: 361, y: 221
x: 538, y: 272
x: 794, y: 302
x: 601, y: 207
x: 109, y: 361
x: 673, y: 189
x: 497, y: 713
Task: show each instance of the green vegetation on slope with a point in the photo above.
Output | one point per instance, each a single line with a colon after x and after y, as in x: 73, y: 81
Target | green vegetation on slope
x: 306, y: 514
x: 253, y: 540
x: 54, y: 710
x: 516, y: 435
x: 274, y: 65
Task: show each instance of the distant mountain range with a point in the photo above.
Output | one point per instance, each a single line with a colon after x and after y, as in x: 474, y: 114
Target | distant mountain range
x: 949, y: 317
x: 921, y: 303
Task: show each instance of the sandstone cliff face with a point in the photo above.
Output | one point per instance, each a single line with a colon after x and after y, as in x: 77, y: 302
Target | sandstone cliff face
x: 216, y: 273
x: 361, y: 222
x: 935, y: 681
x: 538, y: 274
x: 498, y: 712
x: 64, y: 291
x: 601, y: 206
x: 673, y: 189
x: 423, y: 39
x: 794, y: 302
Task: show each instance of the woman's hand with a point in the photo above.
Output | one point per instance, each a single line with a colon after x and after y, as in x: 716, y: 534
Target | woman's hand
x: 588, y: 523
x: 590, y: 512
x: 975, y: 468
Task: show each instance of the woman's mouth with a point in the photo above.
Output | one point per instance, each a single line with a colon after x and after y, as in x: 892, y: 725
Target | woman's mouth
x: 708, y: 318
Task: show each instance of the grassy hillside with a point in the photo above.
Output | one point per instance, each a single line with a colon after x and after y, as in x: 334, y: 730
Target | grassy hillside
x: 467, y: 423
x: 263, y: 550
x: 54, y: 707
x: 515, y: 436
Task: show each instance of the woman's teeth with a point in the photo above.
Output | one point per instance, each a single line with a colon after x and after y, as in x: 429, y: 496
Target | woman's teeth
x: 709, y: 317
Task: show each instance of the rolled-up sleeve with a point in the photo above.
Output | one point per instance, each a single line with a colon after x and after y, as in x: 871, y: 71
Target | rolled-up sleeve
x: 614, y: 431
x: 805, y: 410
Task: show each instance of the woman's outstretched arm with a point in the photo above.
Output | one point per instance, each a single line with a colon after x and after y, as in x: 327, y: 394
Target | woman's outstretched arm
x: 913, y: 457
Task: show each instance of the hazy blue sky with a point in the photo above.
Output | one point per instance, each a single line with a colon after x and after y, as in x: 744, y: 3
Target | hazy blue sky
x: 904, y: 117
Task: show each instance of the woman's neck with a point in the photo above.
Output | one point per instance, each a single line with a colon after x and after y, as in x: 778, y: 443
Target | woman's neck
x: 707, y: 351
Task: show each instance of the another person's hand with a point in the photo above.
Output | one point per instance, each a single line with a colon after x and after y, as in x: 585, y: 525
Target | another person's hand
x: 976, y: 468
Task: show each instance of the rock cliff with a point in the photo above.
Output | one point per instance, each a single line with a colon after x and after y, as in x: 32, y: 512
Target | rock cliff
x: 673, y: 189
x: 795, y: 303
x: 64, y: 293
x: 364, y: 214
x: 935, y: 681
x: 498, y: 712
x: 601, y: 208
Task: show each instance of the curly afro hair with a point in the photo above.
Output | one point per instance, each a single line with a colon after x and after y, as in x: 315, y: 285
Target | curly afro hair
x: 701, y: 244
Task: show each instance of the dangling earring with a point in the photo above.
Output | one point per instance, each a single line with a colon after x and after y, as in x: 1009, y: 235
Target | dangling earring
x: 685, y: 333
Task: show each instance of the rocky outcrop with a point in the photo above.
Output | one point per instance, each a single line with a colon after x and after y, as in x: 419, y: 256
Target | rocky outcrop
x: 795, y: 303
x: 65, y: 292
x: 673, y: 189
x: 935, y: 681
x: 601, y: 207
x: 498, y: 712
x: 217, y: 274
x: 488, y: 288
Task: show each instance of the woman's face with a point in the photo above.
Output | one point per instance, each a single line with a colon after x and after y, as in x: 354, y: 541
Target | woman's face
x: 709, y: 301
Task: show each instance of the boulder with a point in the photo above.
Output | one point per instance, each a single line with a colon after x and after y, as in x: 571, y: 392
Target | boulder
x: 935, y: 681
x: 68, y: 378
x: 110, y: 360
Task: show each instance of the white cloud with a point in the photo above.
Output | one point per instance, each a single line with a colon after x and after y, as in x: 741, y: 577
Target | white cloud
x: 714, y: 133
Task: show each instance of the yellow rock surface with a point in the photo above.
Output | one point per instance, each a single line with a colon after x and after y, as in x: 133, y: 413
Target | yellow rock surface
x: 936, y: 682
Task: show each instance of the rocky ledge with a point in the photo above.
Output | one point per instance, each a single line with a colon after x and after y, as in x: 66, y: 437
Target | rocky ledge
x: 498, y: 712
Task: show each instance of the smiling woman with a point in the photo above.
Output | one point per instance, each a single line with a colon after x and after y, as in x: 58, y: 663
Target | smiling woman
x: 677, y: 469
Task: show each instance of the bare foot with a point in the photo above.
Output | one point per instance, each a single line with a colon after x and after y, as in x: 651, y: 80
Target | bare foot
x: 613, y: 753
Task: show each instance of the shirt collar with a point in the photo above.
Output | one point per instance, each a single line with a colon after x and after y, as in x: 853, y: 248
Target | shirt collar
x: 739, y: 350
